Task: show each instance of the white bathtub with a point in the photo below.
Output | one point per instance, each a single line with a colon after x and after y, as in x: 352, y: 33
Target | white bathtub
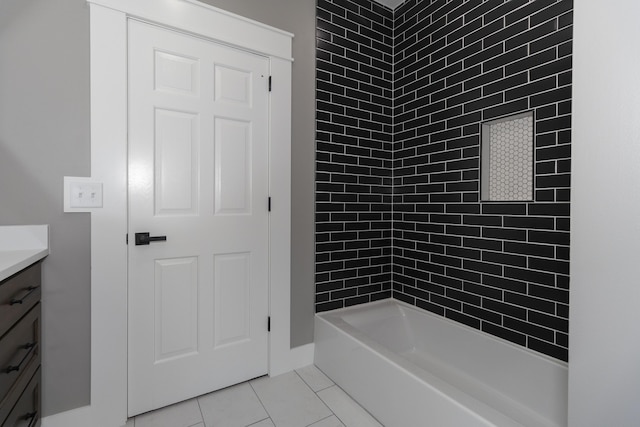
x: 410, y: 368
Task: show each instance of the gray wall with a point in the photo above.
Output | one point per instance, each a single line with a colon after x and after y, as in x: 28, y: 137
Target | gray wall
x: 297, y: 17
x: 44, y: 135
x: 604, y: 380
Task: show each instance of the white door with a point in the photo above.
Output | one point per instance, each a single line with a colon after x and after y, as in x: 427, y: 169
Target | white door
x: 198, y: 174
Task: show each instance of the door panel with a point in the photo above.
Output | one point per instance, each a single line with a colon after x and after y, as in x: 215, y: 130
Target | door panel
x: 198, y: 174
x: 174, y: 73
x: 176, y: 308
x: 233, y: 147
x: 232, y: 278
x: 233, y: 86
x: 176, y: 162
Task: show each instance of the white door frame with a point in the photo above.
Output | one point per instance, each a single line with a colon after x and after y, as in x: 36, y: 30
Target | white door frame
x: 109, y: 165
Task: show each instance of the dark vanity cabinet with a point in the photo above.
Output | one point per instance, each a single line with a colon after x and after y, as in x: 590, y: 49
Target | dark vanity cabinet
x: 20, y: 348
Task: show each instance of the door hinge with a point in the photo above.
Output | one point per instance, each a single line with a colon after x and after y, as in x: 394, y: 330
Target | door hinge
x: 269, y: 324
x: 127, y: 239
x: 269, y: 203
x: 270, y: 83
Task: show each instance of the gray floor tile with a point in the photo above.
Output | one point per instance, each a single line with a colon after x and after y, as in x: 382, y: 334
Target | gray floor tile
x: 289, y: 401
x: 236, y: 406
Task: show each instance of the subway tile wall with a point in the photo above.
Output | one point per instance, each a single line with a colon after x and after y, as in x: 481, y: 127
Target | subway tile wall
x: 499, y: 267
x: 354, y: 167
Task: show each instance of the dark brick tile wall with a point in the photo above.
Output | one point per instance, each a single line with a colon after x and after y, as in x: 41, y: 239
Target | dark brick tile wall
x: 499, y: 267
x: 354, y: 99
x: 398, y: 162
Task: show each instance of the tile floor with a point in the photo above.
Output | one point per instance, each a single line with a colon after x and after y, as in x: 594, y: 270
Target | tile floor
x: 304, y: 398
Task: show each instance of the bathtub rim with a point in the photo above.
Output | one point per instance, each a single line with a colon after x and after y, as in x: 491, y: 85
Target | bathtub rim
x: 334, y: 316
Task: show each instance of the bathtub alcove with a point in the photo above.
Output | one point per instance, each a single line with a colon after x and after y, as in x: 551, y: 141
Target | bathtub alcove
x: 411, y: 368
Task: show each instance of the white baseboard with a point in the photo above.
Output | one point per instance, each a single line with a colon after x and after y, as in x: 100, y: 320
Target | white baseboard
x: 301, y: 356
x: 79, y: 417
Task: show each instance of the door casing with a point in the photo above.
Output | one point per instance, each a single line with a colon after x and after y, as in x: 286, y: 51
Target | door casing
x: 109, y: 165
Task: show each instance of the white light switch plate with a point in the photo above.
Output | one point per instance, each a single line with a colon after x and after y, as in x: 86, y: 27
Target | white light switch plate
x: 81, y: 194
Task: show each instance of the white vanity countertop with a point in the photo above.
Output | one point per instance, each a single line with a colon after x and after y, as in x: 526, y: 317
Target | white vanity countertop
x: 21, y: 246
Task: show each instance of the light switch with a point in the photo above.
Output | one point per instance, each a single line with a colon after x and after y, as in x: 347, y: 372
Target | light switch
x: 86, y: 195
x: 81, y: 194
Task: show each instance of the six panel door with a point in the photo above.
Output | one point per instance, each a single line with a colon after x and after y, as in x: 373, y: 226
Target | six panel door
x: 198, y: 174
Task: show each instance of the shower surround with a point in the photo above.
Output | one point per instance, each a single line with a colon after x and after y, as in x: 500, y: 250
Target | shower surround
x: 401, y: 97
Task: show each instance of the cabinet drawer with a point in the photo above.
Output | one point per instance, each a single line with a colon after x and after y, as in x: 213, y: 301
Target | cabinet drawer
x: 26, y: 412
x: 19, y: 358
x: 18, y: 294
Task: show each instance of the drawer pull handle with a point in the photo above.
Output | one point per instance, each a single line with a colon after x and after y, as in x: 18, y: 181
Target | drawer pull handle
x: 20, y: 299
x: 30, y: 346
x: 31, y: 418
x: 30, y: 415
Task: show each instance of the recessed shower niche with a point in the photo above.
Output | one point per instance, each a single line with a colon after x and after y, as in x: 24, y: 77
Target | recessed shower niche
x: 507, y: 159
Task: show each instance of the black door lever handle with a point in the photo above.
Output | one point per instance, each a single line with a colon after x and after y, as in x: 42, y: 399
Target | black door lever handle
x: 145, y: 239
